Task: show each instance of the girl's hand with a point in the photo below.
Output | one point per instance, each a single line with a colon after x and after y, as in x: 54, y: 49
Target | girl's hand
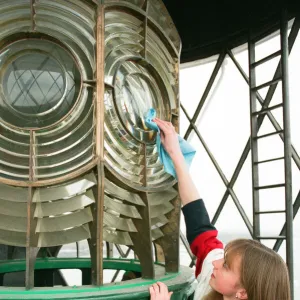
x: 169, y: 138
x: 159, y: 291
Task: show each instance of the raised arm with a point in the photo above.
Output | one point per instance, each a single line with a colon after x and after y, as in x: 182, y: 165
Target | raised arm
x: 187, y: 189
x: 201, y: 234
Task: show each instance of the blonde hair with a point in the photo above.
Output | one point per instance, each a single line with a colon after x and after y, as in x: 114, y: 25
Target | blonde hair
x: 264, y: 274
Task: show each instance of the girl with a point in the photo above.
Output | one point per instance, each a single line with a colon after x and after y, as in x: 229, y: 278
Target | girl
x: 245, y: 269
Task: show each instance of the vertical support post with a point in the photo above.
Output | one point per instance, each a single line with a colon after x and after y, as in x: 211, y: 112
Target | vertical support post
x: 287, y: 147
x: 31, y: 237
x: 96, y: 242
x: 144, y: 32
x: 109, y: 250
x: 32, y: 14
x: 142, y: 239
x: 170, y: 242
x: 159, y: 253
x: 253, y: 140
x: 29, y: 274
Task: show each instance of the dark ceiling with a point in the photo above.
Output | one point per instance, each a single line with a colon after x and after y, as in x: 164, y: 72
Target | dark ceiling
x: 208, y: 26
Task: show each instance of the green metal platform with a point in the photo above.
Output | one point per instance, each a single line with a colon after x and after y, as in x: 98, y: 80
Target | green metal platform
x: 180, y: 283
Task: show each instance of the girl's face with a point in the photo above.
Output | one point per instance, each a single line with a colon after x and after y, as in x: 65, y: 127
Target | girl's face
x: 225, y: 279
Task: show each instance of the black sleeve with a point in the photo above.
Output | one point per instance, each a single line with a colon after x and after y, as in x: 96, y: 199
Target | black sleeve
x: 196, y: 219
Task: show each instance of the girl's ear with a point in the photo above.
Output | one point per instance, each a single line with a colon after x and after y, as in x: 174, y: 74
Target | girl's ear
x: 241, y: 294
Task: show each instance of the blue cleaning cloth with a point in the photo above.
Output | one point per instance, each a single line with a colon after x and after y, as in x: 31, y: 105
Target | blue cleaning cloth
x: 187, y: 150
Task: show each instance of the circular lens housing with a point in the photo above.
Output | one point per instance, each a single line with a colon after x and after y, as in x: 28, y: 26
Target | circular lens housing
x: 40, y: 83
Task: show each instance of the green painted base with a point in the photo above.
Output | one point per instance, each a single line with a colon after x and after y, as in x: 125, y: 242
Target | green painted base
x: 180, y: 283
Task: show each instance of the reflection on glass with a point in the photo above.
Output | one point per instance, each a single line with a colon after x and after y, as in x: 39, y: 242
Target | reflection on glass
x: 136, y: 91
x: 34, y: 83
x: 40, y: 83
x: 137, y: 79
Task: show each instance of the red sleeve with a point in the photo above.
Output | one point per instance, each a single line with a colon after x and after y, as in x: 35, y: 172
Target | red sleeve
x: 202, y: 245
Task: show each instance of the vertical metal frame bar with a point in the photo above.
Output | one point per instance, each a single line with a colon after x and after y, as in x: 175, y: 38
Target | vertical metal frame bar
x: 145, y: 25
x: 287, y: 147
x: 170, y: 242
x: 30, y: 231
x: 109, y: 250
x: 100, y: 31
x: 159, y: 253
x: 29, y: 273
x: 32, y: 9
x: 253, y: 140
x: 142, y: 239
x: 97, y: 236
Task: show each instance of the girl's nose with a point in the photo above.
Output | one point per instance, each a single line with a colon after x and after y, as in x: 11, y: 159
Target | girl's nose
x: 217, y: 263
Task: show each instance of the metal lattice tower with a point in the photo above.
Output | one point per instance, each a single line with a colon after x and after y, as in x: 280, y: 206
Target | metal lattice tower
x: 256, y: 116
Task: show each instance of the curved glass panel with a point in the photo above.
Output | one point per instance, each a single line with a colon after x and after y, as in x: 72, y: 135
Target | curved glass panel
x: 34, y: 83
x: 40, y: 83
x: 135, y: 82
x: 136, y: 91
